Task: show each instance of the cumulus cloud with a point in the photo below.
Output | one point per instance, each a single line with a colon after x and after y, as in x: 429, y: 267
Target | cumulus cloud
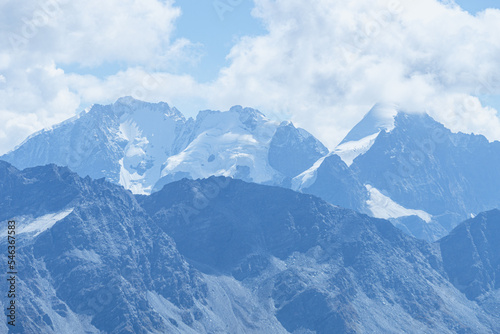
x: 91, y: 32
x: 328, y: 62
x: 323, y: 64
x: 39, y: 38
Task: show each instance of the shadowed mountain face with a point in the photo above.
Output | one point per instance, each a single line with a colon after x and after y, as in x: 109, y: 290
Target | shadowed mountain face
x: 421, y: 164
x: 471, y: 255
x: 323, y: 268
x: 338, y: 184
x: 88, y: 255
x: 90, y: 260
x: 419, y: 174
x: 247, y: 258
x: 293, y: 150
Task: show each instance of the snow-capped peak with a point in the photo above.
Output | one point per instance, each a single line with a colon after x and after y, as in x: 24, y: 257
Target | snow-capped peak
x: 231, y: 143
x: 308, y: 177
x: 150, y: 133
x: 247, y: 111
x: 361, y: 138
x: 380, y: 117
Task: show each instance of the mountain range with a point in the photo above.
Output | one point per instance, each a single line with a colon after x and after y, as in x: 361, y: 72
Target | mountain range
x: 143, y: 146
x: 133, y: 219
x: 221, y: 255
x: 404, y: 167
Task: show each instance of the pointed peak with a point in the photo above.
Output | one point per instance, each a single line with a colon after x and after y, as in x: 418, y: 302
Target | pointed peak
x: 380, y: 117
x: 236, y: 108
x: 383, y: 111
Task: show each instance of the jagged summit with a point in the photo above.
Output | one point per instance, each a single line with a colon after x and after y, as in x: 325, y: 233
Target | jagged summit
x: 246, y: 111
x: 128, y: 104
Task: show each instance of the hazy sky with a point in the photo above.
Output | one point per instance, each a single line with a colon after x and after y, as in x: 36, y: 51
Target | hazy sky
x: 322, y: 64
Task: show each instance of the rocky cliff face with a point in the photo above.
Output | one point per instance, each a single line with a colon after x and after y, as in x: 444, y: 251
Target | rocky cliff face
x: 332, y: 180
x: 293, y: 150
x: 471, y: 255
x: 320, y: 268
x: 90, y: 260
x: 422, y: 165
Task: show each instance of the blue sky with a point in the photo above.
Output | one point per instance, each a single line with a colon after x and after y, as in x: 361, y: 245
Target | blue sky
x: 216, y: 26
x: 474, y: 6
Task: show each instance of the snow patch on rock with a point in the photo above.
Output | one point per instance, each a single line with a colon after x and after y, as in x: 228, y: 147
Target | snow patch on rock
x: 38, y: 225
x: 351, y: 150
x: 383, y: 207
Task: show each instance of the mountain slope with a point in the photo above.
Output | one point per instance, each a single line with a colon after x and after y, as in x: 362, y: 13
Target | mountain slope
x: 121, y: 142
x: 422, y: 165
x: 321, y: 268
x: 233, y: 143
x: 292, y: 150
x: 471, y: 254
x: 332, y: 180
x: 90, y: 260
x: 360, y: 139
x: 247, y: 258
x: 471, y: 258
x: 416, y: 172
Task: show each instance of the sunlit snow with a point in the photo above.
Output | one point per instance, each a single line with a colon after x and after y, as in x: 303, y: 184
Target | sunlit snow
x: 308, y: 177
x: 382, y: 206
x: 224, y: 144
x: 351, y: 150
x: 40, y: 224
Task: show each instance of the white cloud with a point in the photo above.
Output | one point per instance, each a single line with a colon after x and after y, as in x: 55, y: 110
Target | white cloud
x: 38, y: 38
x: 91, y: 32
x: 329, y: 61
x: 323, y: 63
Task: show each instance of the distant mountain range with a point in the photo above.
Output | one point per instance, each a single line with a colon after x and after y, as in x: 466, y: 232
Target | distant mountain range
x: 221, y: 255
x: 403, y: 167
x: 143, y: 146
